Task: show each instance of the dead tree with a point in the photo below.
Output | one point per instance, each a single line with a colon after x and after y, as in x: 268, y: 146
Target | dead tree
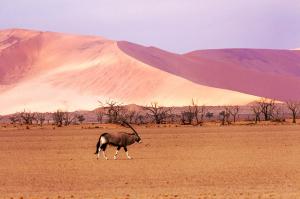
x: 278, y: 114
x: 58, y: 117
x: 294, y: 107
x: 68, y: 118
x: 227, y: 111
x: 139, y: 118
x: 202, y: 113
x: 224, y: 116
x: 112, y: 110
x: 195, y: 111
x: 27, y: 117
x: 234, y: 110
x: 157, y: 113
x: 129, y: 115
x: 99, y: 115
x: 80, y: 118
x: 256, y: 109
x: 199, y: 112
x: 171, y: 117
x: 14, y: 118
x: 40, y: 117
x: 267, y: 107
x: 187, y: 117
x: 126, y: 114
x: 209, y: 115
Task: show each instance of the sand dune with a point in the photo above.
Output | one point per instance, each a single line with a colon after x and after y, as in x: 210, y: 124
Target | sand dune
x: 44, y: 71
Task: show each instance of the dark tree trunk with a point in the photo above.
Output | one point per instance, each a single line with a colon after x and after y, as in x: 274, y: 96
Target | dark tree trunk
x: 294, y: 117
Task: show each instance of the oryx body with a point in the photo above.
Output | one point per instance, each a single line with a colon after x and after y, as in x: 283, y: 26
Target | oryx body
x: 119, y: 140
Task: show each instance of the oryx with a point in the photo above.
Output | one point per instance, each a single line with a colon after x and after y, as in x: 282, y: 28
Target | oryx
x: 119, y: 139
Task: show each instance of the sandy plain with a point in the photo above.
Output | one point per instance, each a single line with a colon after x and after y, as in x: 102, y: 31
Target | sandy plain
x: 172, y: 162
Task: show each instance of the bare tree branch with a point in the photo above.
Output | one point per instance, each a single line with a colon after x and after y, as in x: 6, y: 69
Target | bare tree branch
x: 267, y: 107
x: 27, y: 117
x: 234, y: 110
x: 294, y: 107
x: 113, y: 110
x: 40, y: 117
x: 256, y: 109
x: 158, y: 113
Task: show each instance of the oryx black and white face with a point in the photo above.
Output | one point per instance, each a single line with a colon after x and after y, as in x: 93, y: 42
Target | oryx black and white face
x: 137, y: 138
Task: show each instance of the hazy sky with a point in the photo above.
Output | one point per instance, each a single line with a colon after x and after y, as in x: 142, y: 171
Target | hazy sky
x: 174, y: 25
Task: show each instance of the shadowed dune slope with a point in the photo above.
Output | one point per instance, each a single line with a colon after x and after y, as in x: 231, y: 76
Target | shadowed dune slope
x: 261, y: 72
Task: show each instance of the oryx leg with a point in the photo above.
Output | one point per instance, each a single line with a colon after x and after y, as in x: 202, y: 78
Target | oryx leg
x: 98, y: 153
x: 98, y: 149
x: 103, y: 147
x: 115, y: 156
x: 125, y: 148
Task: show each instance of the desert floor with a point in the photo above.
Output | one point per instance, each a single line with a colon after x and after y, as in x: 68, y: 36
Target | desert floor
x: 172, y: 162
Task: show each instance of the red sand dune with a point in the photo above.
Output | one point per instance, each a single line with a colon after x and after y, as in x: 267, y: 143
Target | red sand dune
x: 44, y: 71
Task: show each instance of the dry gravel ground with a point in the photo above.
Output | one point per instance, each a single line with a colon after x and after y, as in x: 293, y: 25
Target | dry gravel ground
x: 173, y: 162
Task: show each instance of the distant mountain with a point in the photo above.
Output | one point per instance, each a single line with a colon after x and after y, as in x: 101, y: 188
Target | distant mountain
x: 44, y: 71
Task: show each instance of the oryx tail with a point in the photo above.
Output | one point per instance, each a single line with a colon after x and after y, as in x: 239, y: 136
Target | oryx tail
x: 99, y: 143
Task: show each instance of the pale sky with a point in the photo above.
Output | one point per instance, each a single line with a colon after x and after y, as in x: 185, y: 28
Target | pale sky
x: 174, y: 25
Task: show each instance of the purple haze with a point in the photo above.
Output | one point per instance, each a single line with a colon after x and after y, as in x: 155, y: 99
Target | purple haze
x: 174, y: 25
